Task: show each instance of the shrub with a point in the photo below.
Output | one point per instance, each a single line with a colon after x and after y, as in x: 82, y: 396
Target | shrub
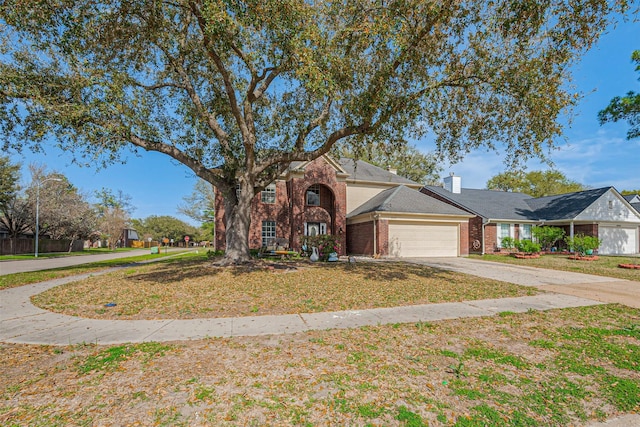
x: 547, y: 236
x: 527, y: 246
x: 213, y: 254
x: 581, y: 243
x: 508, y: 243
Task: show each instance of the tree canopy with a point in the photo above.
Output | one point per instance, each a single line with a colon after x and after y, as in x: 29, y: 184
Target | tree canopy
x: 236, y: 90
x: 159, y: 227
x: 9, y: 177
x: 534, y: 183
x: 406, y: 159
x: 625, y: 107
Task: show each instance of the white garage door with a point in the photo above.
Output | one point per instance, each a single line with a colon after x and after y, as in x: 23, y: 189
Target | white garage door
x: 617, y: 240
x: 411, y: 239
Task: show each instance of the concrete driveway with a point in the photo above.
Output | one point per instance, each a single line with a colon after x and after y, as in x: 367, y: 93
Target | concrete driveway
x: 599, y: 288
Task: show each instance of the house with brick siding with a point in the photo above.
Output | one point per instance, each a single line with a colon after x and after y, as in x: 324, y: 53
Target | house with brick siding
x: 373, y: 211
x: 601, y: 212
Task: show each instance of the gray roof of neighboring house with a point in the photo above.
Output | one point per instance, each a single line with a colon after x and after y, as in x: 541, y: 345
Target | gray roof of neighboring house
x: 363, y: 171
x: 636, y: 206
x: 632, y: 198
x: 489, y: 203
x: 493, y: 204
x: 565, y: 206
x: 403, y: 199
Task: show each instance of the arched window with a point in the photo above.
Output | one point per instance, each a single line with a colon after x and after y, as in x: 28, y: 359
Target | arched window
x: 313, y: 195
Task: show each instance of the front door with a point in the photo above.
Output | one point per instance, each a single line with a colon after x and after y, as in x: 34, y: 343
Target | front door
x: 315, y: 228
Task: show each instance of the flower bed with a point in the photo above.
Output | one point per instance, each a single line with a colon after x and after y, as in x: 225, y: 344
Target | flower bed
x: 584, y: 258
x: 521, y: 255
x: 632, y: 266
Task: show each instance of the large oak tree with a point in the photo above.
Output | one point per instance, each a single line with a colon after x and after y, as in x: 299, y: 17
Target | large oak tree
x: 236, y: 90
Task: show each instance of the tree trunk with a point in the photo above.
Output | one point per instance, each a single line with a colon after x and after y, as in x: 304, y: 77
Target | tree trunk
x: 238, y: 222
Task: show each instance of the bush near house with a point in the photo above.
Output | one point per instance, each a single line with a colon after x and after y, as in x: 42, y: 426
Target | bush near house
x: 547, y: 237
x: 527, y: 246
x: 581, y: 243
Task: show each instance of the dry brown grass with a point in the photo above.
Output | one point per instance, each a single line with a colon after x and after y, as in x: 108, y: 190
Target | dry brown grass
x: 555, y: 368
x: 197, y: 289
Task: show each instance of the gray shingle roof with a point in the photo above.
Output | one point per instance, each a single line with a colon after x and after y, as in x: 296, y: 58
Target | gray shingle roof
x: 506, y: 205
x: 402, y: 199
x: 489, y: 203
x: 362, y: 171
x: 565, y: 206
x: 632, y: 198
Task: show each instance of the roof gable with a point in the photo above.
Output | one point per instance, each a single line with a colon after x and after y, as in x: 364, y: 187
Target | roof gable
x: 402, y: 199
x: 565, y: 206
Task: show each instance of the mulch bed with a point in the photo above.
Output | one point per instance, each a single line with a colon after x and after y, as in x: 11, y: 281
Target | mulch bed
x: 584, y: 258
x: 631, y: 266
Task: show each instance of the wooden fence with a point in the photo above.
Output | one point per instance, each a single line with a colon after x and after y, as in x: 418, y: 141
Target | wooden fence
x: 26, y: 246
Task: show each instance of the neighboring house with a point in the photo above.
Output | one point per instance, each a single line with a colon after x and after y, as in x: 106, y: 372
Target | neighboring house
x: 634, y: 200
x: 601, y: 212
x: 324, y: 196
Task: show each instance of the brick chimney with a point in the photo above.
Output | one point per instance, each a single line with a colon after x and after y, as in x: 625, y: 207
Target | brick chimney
x: 453, y: 183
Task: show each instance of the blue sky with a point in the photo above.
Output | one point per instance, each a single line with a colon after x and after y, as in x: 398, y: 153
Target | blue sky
x: 593, y: 155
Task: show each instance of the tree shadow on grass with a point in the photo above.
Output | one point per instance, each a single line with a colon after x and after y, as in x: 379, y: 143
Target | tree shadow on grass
x: 393, y: 270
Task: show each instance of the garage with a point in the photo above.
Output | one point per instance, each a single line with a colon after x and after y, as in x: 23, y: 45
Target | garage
x: 416, y: 239
x: 618, y: 240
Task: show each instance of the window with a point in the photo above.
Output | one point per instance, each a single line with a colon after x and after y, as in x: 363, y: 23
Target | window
x: 504, y: 230
x: 525, y: 231
x: 315, y: 228
x: 268, y: 195
x: 268, y: 232
x: 313, y: 195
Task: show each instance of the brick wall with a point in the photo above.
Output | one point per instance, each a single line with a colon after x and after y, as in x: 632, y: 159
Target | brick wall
x: 360, y: 238
x: 490, y: 238
x: 290, y: 211
x: 474, y: 228
x: 464, y: 238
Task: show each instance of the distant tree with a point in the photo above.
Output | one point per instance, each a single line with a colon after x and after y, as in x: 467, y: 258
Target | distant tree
x: 113, y: 214
x: 629, y: 192
x: 625, y: 107
x: 200, y: 204
x: 16, y: 217
x: 170, y: 227
x: 9, y: 179
x: 405, y: 159
x: 237, y: 90
x: 64, y: 213
x: 534, y: 183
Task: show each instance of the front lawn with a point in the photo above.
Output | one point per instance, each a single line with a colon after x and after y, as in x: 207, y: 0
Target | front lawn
x: 552, y: 368
x: 194, y: 288
x: 604, y: 266
x: 20, y: 279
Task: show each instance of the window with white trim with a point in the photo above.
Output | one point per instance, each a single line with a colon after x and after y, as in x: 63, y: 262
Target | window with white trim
x: 268, y: 195
x: 268, y: 232
x: 504, y: 230
x: 525, y: 231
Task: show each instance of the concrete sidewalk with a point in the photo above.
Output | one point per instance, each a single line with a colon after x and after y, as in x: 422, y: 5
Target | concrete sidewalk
x: 22, y: 322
